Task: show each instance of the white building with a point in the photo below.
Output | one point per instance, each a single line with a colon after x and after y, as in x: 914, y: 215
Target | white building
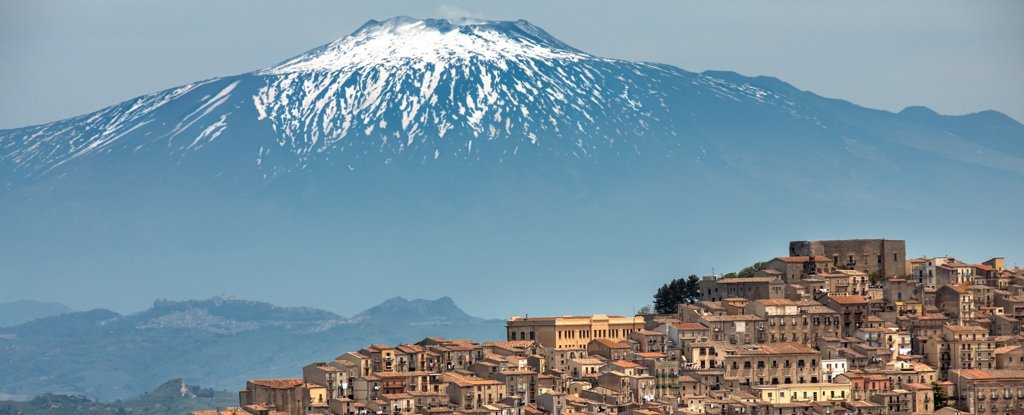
x: 830, y: 368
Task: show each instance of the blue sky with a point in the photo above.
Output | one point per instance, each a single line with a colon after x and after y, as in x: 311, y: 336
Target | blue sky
x: 67, y: 57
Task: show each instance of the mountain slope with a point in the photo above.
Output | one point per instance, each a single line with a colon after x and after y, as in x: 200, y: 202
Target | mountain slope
x: 18, y: 312
x: 105, y: 355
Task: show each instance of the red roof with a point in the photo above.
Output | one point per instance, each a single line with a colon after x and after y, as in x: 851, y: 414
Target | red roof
x: 849, y: 299
x: 689, y: 326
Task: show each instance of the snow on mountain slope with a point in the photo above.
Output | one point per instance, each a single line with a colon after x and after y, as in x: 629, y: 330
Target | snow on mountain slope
x: 400, y: 89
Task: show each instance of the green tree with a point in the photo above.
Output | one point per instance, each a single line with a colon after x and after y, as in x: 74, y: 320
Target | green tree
x: 940, y: 396
x: 676, y: 292
x: 747, y: 272
x: 692, y: 289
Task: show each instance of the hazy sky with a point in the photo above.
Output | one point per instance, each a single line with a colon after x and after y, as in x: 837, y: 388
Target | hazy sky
x: 67, y: 57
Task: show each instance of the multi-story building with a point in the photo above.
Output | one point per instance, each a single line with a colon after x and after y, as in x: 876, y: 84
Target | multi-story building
x: 293, y: 396
x: 961, y: 347
x: 794, y: 268
x: 957, y: 301
x: 471, y: 392
x: 717, y: 289
x: 954, y: 272
x: 925, y: 272
x: 790, y: 321
x: 771, y: 364
x: 735, y: 329
x: 830, y: 368
x: 331, y: 377
x: 885, y: 257
x: 864, y: 385
x: 800, y: 393
x: 989, y: 391
x: 852, y: 308
x: 572, y: 331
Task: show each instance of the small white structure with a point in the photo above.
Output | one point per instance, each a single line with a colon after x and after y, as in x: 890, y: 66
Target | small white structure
x: 830, y: 368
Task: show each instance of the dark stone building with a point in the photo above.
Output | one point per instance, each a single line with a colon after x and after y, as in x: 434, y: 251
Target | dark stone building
x: 886, y: 257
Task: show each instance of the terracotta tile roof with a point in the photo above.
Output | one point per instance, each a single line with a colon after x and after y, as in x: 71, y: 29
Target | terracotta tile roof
x: 990, y: 374
x: 776, y: 302
x: 818, y: 309
x: 984, y: 267
x: 957, y: 327
x: 623, y: 363
x: 611, y: 344
x: 778, y: 348
x: 689, y: 326
x: 278, y: 383
x: 736, y: 317
x: 588, y: 361
x: 463, y: 380
x: 410, y: 348
x: 1005, y: 349
x: 651, y: 355
x: 848, y: 299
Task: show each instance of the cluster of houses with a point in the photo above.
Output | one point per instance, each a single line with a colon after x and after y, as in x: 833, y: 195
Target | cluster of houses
x: 834, y: 328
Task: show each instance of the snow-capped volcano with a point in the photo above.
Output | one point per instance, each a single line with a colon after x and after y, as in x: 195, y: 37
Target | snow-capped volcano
x: 403, y: 41
x: 411, y: 83
x: 401, y: 89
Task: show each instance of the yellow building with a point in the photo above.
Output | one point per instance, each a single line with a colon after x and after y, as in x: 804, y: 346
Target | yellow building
x: 569, y: 332
x: 803, y: 392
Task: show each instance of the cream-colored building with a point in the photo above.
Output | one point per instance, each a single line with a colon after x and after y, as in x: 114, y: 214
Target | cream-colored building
x: 572, y: 332
x: 805, y: 392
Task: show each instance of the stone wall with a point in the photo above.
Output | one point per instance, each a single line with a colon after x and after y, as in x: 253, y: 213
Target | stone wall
x: 887, y: 257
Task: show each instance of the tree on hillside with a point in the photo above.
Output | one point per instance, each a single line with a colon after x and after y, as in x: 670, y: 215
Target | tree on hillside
x: 679, y: 290
x: 748, y: 271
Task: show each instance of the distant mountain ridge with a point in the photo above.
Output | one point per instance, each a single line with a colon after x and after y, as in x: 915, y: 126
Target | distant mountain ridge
x: 18, y: 312
x: 440, y: 311
x: 105, y: 355
x: 172, y: 397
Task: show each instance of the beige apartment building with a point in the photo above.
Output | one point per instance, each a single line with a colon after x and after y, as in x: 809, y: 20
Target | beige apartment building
x: 807, y: 392
x: 471, y: 392
x: 990, y: 391
x: 572, y: 332
x: 770, y: 364
x: 293, y: 396
x: 961, y: 347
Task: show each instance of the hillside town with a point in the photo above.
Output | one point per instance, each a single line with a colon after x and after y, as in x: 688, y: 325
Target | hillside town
x: 834, y: 327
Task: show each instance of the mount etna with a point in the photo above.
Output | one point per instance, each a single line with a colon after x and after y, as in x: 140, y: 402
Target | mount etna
x: 476, y: 158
